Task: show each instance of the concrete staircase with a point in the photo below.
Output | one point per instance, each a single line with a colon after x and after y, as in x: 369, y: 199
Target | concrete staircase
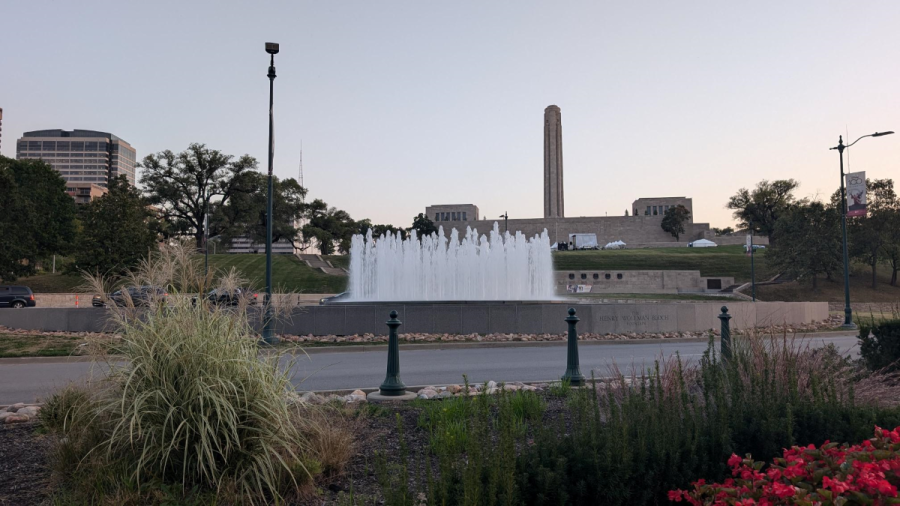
x: 320, y: 264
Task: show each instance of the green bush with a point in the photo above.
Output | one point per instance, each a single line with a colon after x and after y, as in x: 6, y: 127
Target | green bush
x: 629, y: 440
x: 881, y: 349
x: 189, y: 406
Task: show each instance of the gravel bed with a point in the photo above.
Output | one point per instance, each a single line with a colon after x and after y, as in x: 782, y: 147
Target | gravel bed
x: 24, y: 464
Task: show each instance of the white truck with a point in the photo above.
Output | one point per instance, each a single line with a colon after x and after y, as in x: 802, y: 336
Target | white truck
x: 583, y: 241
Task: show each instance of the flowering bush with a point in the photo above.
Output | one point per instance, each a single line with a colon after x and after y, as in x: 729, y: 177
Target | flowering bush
x: 867, y: 473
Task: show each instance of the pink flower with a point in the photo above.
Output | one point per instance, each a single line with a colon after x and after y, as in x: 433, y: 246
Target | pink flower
x: 734, y: 460
x: 675, y: 495
x: 782, y: 490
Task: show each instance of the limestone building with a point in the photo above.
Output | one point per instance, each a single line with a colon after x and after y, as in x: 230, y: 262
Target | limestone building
x: 643, y: 228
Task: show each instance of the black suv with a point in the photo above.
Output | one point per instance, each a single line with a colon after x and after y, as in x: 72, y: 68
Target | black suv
x: 16, y: 296
x: 230, y: 298
x: 141, y: 296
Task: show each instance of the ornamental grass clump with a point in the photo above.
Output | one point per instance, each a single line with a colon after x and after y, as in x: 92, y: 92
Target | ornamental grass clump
x: 189, y: 406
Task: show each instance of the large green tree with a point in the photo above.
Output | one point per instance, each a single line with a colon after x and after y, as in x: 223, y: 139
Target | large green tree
x: 870, y: 235
x: 329, y: 228
x: 185, y: 184
x: 763, y: 205
x: 118, y: 230
x: 423, y: 225
x: 244, y: 214
x: 811, y: 242
x: 674, y: 219
x: 37, y: 216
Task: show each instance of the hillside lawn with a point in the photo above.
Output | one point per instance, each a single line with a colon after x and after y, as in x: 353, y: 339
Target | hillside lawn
x: 833, y: 291
x: 289, y: 274
x: 711, y: 262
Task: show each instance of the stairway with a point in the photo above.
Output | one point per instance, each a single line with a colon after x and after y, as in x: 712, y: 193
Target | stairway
x: 320, y: 264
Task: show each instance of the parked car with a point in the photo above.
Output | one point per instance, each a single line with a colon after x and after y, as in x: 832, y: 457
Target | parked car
x: 16, y: 296
x: 334, y: 298
x: 141, y: 296
x: 230, y: 298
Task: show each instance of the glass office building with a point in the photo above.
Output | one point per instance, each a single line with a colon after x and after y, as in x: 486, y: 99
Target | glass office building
x: 80, y: 156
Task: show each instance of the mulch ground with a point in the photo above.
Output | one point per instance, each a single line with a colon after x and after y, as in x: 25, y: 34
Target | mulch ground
x: 25, y: 476
x: 24, y: 464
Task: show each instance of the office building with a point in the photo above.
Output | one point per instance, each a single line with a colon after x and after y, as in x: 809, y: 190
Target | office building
x: 80, y: 156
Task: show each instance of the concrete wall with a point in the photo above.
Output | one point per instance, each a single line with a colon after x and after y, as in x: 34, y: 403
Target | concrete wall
x: 637, y: 281
x: 631, y: 229
x: 481, y: 317
x: 84, y: 300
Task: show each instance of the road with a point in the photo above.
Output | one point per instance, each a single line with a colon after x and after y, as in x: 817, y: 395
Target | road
x: 29, y: 380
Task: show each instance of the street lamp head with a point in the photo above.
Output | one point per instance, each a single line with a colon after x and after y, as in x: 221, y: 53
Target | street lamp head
x: 879, y: 134
x: 272, y: 47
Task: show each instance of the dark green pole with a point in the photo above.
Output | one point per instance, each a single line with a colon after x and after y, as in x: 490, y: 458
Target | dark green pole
x: 268, y: 336
x: 573, y: 370
x: 726, y: 334
x: 393, y: 385
x: 848, y: 313
x: 752, y: 268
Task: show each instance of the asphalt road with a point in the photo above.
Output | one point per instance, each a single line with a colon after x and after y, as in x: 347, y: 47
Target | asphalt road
x: 30, y: 380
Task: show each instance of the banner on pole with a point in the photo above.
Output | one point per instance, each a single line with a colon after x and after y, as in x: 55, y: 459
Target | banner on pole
x: 856, y: 194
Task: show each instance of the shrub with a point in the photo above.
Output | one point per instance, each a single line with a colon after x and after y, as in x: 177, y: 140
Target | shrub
x: 631, y: 439
x: 860, y: 474
x: 881, y: 349
x: 189, y: 407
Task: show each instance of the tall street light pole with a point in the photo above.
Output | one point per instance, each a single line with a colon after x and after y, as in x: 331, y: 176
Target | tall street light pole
x: 505, y: 217
x: 268, y: 336
x: 752, y: 268
x: 848, y: 313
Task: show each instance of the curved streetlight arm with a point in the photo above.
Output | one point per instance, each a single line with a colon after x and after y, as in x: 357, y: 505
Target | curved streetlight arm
x: 840, y: 147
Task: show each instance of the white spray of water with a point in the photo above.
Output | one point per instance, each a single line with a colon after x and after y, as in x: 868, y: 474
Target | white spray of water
x: 504, y: 267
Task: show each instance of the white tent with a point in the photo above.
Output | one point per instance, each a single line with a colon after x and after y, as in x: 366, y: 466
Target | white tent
x: 702, y: 243
x: 554, y: 247
x: 615, y: 245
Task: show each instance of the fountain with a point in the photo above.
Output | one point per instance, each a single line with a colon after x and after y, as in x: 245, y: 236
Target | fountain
x: 438, y: 268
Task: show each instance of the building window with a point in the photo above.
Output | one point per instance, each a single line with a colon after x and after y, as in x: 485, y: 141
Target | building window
x: 619, y: 276
x: 655, y: 210
x: 464, y: 216
x: 647, y: 212
x: 584, y: 276
x: 437, y: 216
x: 607, y: 276
x: 571, y: 276
x: 596, y: 276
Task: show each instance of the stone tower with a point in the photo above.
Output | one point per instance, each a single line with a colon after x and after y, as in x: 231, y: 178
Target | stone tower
x: 554, y: 206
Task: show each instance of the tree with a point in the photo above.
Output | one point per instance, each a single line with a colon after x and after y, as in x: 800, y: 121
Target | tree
x: 329, y: 227
x: 185, y: 184
x: 892, y: 248
x: 674, y: 219
x: 117, y: 230
x: 37, y: 216
x: 763, y: 205
x: 723, y: 231
x: 812, y: 242
x: 869, y: 236
x: 244, y: 214
x: 423, y: 225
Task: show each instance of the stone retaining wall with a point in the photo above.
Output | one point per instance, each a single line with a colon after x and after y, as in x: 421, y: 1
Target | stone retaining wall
x: 472, y: 318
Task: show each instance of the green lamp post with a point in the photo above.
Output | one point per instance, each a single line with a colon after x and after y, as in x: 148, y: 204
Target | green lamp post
x: 393, y: 386
x: 573, y: 370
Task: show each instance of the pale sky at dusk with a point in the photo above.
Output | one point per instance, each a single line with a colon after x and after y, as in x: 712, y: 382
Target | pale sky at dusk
x: 405, y: 104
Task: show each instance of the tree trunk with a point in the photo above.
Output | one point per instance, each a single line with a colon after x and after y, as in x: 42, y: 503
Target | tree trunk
x: 199, y: 238
x: 894, y: 277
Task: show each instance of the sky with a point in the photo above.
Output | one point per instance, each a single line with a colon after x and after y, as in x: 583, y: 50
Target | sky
x: 404, y: 104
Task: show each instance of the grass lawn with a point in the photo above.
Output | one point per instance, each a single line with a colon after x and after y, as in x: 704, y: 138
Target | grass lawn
x: 648, y: 296
x: 833, y: 291
x: 32, y: 345
x: 339, y: 261
x: 719, y: 261
x: 289, y: 274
